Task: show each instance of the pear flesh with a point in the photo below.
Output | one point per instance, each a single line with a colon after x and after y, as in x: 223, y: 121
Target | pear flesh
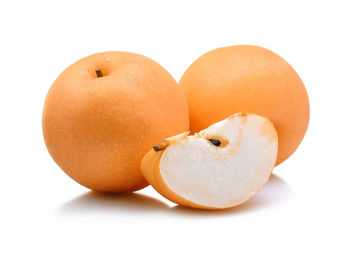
x: 223, y: 165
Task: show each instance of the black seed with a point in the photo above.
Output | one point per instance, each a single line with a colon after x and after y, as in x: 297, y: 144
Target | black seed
x: 215, y: 142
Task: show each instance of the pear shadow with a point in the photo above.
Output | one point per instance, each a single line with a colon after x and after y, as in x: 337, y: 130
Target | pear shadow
x: 95, y: 202
x: 275, y: 192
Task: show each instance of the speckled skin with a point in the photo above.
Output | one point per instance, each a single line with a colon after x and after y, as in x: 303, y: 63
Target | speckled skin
x: 247, y: 78
x: 97, y: 129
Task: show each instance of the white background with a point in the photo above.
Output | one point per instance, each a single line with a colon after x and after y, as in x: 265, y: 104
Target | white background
x: 303, y: 210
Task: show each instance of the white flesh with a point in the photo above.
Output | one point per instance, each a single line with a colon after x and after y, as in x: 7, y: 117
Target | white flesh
x: 208, y: 175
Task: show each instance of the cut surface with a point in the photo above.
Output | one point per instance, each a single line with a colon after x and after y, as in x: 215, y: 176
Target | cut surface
x: 224, y: 175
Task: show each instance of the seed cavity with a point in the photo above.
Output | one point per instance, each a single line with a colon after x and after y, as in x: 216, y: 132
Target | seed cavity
x: 218, y: 141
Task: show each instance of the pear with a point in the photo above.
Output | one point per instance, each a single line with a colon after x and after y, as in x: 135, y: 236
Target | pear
x: 220, y: 167
x: 98, y: 119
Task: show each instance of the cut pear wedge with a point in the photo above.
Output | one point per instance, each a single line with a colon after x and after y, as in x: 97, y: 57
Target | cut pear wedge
x: 220, y: 167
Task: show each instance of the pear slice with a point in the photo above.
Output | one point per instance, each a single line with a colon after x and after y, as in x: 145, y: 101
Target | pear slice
x: 219, y: 167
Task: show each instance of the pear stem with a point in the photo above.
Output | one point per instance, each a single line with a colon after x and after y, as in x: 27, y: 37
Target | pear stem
x: 161, y: 146
x: 99, y: 72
